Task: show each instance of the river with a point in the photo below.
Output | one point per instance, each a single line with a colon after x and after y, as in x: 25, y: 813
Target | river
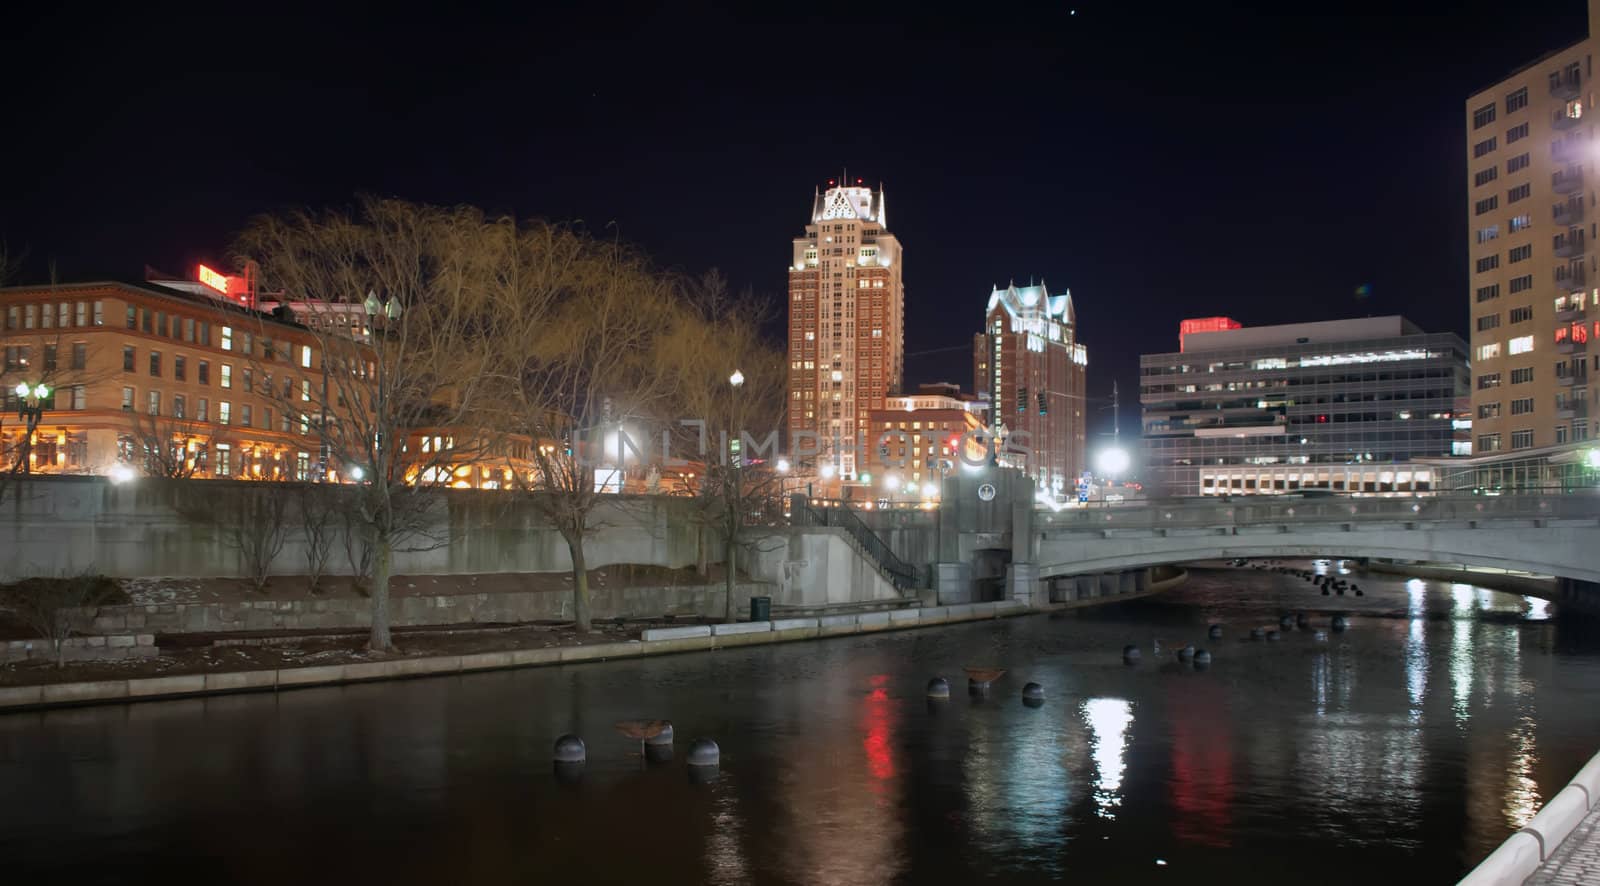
x: 1404, y: 749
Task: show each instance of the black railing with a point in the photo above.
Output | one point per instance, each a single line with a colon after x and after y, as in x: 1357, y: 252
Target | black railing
x: 900, y: 573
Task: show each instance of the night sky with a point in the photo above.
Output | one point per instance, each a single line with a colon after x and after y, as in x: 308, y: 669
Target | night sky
x: 1161, y: 164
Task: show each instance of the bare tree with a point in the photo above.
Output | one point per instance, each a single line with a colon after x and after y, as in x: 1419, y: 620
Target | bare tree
x: 398, y: 296
x: 587, y: 382
x: 318, y: 509
x: 735, y: 381
x: 172, y: 448
x: 250, y: 518
x: 46, y: 604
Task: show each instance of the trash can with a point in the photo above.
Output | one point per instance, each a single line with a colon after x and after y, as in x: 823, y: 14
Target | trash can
x: 760, y: 608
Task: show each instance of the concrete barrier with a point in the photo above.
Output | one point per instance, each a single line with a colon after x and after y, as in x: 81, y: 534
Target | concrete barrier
x: 872, y: 621
x: 900, y: 616
x: 790, y: 624
x: 741, y: 627
x: 1524, y: 851
x: 650, y: 634
x: 1559, y: 817
x: 1509, y: 865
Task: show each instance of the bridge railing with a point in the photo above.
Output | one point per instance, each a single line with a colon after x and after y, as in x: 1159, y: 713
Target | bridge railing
x: 1158, y: 514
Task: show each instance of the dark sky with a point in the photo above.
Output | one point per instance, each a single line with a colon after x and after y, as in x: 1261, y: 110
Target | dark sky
x: 1161, y: 163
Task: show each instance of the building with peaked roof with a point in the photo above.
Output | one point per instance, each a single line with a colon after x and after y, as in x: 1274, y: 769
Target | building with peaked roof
x: 1030, y: 364
x: 846, y: 322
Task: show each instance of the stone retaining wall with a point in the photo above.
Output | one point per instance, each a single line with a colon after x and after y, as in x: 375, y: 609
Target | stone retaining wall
x: 117, y: 648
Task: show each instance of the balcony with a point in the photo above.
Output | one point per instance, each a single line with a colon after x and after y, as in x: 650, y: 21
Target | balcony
x: 1567, y: 181
x: 1567, y: 315
x: 1568, y: 346
x: 1564, y: 121
x: 1566, y: 381
x: 1571, y: 407
x: 1571, y: 277
x: 1571, y: 244
x: 1566, y: 86
x: 1569, y: 213
x: 1568, y: 150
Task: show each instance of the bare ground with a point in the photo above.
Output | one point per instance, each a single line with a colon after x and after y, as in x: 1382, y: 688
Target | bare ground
x: 339, y: 649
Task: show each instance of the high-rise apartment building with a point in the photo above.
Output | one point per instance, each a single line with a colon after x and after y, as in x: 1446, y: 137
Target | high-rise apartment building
x: 1030, y: 363
x: 1533, y: 167
x: 1345, y: 406
x: 846, y: 316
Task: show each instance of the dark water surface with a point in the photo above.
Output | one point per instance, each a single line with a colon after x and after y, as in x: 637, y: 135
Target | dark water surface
x: 1402, y: 750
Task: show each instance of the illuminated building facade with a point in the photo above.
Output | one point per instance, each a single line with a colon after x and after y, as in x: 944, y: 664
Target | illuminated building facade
x: 181, y: 378
x: 1532, y: 168
x: 916, y: 441
x: 1343, y: 406
x: 846, y: 317
x: 1030, y: 363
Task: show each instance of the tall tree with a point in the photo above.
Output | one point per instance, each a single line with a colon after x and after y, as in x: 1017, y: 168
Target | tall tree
x: 401, y: 298
x: 734, y: 381
x: 587, y: 383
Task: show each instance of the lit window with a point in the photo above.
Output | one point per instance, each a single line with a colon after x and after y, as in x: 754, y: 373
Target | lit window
x: 1488, y: 351
x: 305, y: 356
x: 227, y: 338
x: 1522, y: 344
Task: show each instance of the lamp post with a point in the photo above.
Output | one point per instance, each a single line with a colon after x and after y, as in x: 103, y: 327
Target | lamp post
x: 735, y: 515
x: 30, y: 408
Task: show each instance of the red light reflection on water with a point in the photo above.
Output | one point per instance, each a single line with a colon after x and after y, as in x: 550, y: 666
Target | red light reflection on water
x: 877, y: 722
x: 1202, y: 768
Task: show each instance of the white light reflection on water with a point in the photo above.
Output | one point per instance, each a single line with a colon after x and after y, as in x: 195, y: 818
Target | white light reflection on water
x: 725, y: 859
x: 1108, y: 720
x: 1417, y: 665
x: 1538, y: 609
x: 1416, y: 597
x: 1522, y: 792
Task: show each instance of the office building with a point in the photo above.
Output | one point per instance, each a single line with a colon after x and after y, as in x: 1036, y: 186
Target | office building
x: 846, y: 316
x: 1532, y: 169
x: 1030, y: 363
x: 1343, y: 406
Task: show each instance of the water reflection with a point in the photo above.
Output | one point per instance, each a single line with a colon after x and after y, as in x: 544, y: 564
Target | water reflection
x: 1414, y: 737
x: 1538, y: 608
x: 1108, y: 720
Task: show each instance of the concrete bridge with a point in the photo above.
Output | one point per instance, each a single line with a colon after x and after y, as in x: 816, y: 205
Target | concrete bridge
x: 1555, y: 535
x: 989, y: 539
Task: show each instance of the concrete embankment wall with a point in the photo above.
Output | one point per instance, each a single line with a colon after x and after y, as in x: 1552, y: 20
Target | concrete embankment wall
x: 67, y: 525
x: 653, y: 642
x: 1526, y: 850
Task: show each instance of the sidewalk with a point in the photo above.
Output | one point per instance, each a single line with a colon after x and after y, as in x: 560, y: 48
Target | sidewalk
x: 1576, y: 862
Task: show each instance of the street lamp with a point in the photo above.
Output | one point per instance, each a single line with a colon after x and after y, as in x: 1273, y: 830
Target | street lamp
x: 1112, y: 462
x: 30, y: 408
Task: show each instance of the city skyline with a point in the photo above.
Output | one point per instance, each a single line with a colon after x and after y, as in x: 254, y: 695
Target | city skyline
x: 1104, y: 180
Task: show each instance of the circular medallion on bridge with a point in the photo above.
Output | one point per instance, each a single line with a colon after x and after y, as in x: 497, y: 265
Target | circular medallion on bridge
x: 986, y: 492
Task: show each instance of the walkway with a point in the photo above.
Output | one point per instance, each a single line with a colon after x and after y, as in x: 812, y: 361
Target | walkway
x: 1576, y: 861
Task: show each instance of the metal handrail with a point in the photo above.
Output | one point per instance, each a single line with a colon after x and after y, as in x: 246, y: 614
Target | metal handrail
x: 1169, y: 514
x: 900, y: 573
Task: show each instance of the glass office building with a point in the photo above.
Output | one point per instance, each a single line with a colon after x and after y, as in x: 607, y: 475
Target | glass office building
x: 1345, y: 406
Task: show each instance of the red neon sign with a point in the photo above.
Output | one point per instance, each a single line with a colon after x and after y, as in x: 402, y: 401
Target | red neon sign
x: 1205, y: 324
x: 216, y: 281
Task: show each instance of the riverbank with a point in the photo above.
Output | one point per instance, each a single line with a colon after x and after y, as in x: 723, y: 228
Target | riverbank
x: 652, y: 641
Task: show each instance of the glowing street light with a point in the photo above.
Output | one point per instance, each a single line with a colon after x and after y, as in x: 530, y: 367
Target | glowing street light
x: 891, y: 482
x: 736, y: 379
x: 827, y: 471
x: 1112, y: 461
x: 1592, y: 458
x: 783, y: 466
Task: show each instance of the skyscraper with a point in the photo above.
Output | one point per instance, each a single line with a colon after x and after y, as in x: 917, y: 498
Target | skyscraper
x: 846, y: 316
x: 1028, y: 360
x: 1532, y: 166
